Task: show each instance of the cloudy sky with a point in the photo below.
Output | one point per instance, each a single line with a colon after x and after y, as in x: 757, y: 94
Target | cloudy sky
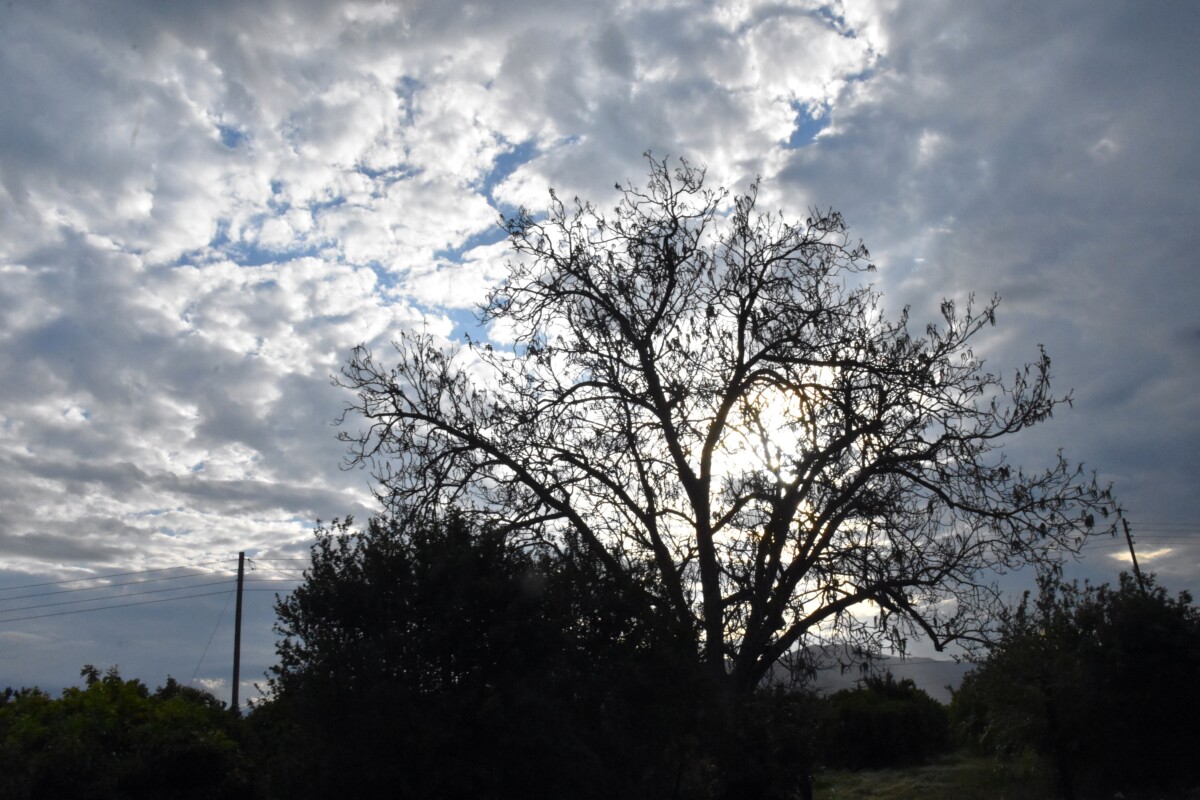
x: 205, y: 205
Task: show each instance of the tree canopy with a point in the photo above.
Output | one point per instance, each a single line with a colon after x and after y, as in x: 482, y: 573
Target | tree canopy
x: 710, y: 400
x: 1102, y: 680
x: 430, y: 658
x: 114, y: 738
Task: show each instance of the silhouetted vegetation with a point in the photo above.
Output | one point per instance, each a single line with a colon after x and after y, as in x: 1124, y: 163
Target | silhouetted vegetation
x: 706, y: 445
x: 433, y: 659
x: 1101, y: 681
x: 884, y: 723
x: 957, y: 776
x: 439, y: 660
x: 710, y: 401
x: 113, y: 738
x: 706, y: 403
x: 773, y: 746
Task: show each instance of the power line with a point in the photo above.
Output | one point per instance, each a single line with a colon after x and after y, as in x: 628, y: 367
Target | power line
x: 128, y: 594
x: 111, y: 585
x: 134, y: 594
x: 1146, y: 539
x: 255, y: 565
x: 119, y: 605
x: 1181, y: 530
x: 114, y: 575
x: 207, y: 645
x: 1152, y: 542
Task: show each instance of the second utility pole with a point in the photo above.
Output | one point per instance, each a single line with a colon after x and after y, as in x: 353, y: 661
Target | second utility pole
x: 237, y: 635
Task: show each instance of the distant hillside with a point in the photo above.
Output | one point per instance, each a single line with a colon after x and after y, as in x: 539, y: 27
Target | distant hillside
x: 839, y: 670
x: 936, y: 676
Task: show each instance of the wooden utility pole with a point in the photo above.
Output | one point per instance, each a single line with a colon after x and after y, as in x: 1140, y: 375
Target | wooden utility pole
x: 1137, y: 572
x: 237, y: 635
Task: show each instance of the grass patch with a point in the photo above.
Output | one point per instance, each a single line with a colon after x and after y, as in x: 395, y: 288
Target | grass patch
x: 951, y: 777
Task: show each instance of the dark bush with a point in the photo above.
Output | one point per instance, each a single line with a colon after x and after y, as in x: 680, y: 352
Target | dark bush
x: 773, y: 745
x: 114, y: 739
x: 434, y: 659
x: 884, y: 723
x: 1101, y: 681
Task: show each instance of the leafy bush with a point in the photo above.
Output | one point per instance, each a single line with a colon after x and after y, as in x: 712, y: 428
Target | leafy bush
x: 773, y: 745
x: 884, y: 723
x: 429, y: 658
x: 1102, y: 681
x: 113, y: 738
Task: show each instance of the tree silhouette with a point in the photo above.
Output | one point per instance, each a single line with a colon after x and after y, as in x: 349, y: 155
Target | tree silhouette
x: 709, y: 396
x: 428, y: 658
x: 884, y: 723
x: 113, y: 738
x: 1101, y: 680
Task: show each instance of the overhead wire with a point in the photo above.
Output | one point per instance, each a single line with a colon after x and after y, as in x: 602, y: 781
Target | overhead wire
x: 1151, y: 533
x: 211, y: 636
x: 256, y: 564
x: 107, y: 602
x: 118, y: 605
x: 114, y: 575
x: 112, y: 585
x: 119, y: 596
x: 118, y: 599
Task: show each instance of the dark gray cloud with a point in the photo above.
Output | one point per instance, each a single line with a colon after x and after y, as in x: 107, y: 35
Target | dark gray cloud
x: 100, y: 546
x: 1039, y: 156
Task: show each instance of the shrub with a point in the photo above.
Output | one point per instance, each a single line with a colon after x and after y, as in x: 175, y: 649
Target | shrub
x: 884, y: 723
x: 431, y: 658
x: 115, y: 739
x: 1100, y: 680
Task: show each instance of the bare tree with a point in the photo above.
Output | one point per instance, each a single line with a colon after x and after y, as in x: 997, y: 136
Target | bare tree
x: 710, y: 400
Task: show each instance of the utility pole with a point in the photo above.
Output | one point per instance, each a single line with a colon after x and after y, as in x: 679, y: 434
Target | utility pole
x: 1137, y: 573
x: 237, y: 635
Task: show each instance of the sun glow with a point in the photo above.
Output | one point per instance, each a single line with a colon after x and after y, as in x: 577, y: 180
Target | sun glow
x: 767, y: 432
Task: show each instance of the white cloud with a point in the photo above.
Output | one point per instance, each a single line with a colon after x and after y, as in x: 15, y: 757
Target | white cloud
x: 204, y: 206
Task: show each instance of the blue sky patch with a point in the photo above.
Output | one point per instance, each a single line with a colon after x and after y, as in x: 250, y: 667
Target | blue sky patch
x: 231, y: 137
x: 490, y: 235
x: 505, y: 165
x: 406, y: 90
x: 807, y: 126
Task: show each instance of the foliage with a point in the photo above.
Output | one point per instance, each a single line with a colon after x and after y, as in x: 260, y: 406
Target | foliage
x: 711, y: 403
x: 433, y: 659
x: 772, y: 748
x: 884, y: 723
x: 952, y: 777
x: 113, y: 738
x: 1101, y: 680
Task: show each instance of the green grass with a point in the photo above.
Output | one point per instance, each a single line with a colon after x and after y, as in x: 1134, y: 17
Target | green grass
x: 961, y: 776
x: 958, y: 776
